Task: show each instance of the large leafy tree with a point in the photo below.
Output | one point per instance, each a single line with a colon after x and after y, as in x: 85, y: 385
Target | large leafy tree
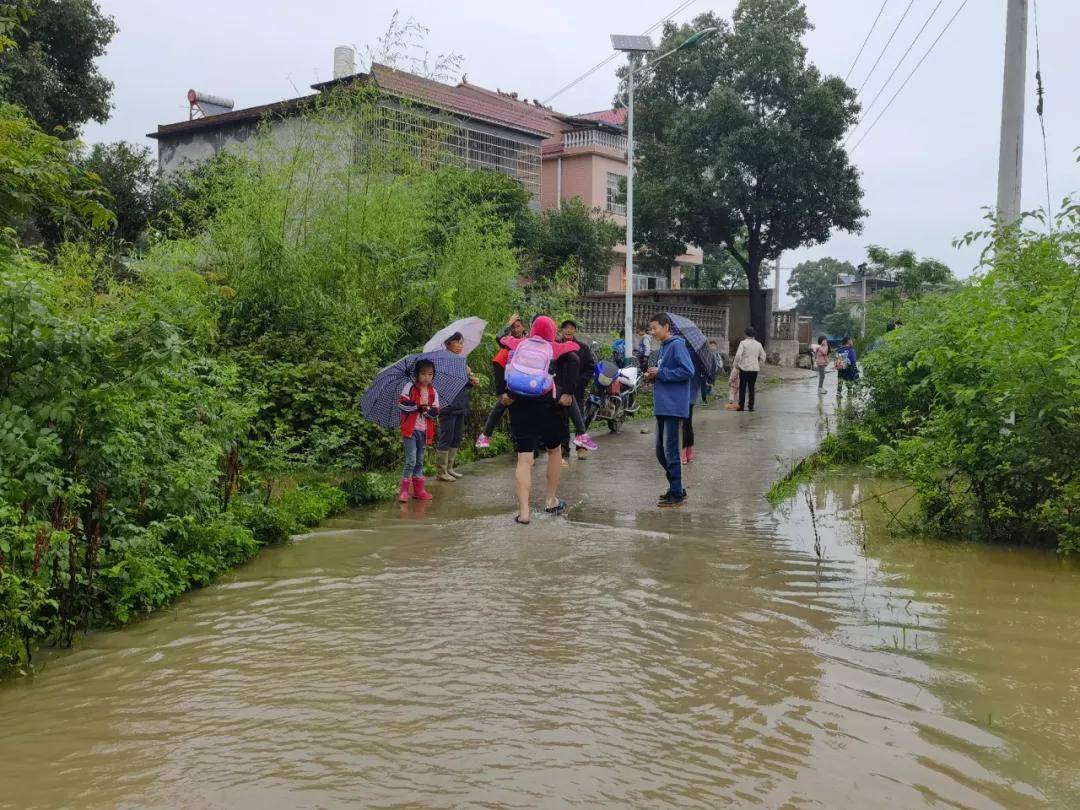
x: 129, y: 174
x: 51, y: 69
x: 743, y: 137
x: 814, y: 285
x: 574, y: 233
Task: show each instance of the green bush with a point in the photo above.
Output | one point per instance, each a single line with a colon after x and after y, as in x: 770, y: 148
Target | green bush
x: 976, y: 399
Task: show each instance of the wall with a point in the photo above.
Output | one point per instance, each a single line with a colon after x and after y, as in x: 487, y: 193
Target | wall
x: 736, y: 303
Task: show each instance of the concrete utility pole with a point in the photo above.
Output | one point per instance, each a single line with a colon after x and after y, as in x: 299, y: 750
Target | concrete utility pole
x: 1011, y: 156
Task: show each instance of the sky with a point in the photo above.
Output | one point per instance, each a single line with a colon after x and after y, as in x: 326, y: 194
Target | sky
x: 928, y: 167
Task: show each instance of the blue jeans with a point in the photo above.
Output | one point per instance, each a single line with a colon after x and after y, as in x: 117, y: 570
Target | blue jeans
x: 667, y: 451
x: 414, y: 454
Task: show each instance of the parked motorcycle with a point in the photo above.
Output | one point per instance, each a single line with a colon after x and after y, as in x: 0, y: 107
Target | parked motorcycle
x: 613, y: 397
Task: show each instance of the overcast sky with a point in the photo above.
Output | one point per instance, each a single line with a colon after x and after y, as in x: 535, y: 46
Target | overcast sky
x: 928, y: 166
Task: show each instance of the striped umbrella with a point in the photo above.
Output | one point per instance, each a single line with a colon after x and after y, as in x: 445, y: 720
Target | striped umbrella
x: 379, y: 403
x: 704, y: 357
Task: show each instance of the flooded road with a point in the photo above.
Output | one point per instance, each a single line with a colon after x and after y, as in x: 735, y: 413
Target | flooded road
x: 438, y: 656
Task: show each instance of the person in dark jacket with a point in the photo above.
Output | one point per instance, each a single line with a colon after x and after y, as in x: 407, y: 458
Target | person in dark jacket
x: 541, y: 422
x: 515, y: 327
x: 582, y: 440
x: 452, y: 419
x: 847, y: 368
x: 670, y: 376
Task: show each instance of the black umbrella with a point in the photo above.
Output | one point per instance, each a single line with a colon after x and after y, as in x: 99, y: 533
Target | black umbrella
x: 380, y: 401
x: 704, y: 357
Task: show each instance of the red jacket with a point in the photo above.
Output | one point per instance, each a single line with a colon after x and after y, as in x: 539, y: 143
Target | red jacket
x: 410, y: 403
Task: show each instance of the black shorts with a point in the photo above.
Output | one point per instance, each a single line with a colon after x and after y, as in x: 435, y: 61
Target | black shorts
x: 538, y: 424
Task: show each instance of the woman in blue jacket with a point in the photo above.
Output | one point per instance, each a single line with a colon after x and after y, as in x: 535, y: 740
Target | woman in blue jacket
x: 671, y: 402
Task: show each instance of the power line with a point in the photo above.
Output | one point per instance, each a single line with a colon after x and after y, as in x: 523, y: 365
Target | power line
x: 868, y: 35
x: 615, y: 55
x: 914, y: 70
x: 885, y: 84
x: 892, y: 36
x: 1042, y: 120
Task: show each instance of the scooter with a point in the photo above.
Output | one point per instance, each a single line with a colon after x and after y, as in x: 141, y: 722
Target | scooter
x: 613, y: 397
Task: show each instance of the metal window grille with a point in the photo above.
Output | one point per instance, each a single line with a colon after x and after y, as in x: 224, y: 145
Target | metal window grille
x: 615, y: 204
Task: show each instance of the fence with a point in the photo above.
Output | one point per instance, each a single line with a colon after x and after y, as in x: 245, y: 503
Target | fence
x: 594, y: 137
x: 606, y: 317
x: 785, y: 325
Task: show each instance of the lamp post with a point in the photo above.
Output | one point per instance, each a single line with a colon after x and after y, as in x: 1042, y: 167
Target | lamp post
x: 634, y: 47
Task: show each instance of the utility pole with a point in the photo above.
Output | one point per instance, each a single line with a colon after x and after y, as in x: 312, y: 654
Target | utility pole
x: 1011, y: 155
x: 628, y: 320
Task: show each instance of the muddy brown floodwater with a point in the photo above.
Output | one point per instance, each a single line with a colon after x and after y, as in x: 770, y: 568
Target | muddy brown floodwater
x: 439, y: 656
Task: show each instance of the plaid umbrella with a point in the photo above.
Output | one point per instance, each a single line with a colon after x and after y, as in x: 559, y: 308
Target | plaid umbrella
x: 704, y: 357
x: 380, y: 401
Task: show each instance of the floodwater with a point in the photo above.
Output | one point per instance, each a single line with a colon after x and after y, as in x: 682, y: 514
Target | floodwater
x: 439, y: 656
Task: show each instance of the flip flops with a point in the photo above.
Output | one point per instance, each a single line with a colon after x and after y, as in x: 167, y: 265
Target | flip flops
x: 520, y: 522
x: 557, y: 509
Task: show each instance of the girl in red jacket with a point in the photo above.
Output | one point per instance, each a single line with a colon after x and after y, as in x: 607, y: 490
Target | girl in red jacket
x: 419, y: 404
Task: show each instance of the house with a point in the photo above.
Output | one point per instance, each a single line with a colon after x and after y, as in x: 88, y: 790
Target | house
x: 586, y: 158
x: 554, y: 156
x: 474, y: 128
x: 849, y: 289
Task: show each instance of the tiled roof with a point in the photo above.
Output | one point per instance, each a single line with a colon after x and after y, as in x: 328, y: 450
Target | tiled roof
x: 466, y: 99
x: 616, y: 117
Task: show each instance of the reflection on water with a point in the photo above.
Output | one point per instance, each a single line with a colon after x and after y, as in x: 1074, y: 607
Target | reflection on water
x: 430, y: 655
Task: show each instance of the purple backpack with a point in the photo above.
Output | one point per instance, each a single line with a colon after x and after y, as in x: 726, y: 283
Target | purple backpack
x: 528, y: 371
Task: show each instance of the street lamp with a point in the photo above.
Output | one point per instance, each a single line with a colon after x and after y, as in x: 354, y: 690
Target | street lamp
x: 634, y: 47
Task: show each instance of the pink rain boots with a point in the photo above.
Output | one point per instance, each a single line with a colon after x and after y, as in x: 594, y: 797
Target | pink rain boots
x: 403, y: 492
x: 419, y: 492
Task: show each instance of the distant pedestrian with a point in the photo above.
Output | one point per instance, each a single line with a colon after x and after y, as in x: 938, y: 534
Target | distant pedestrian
x: 515, y: 328
x: 670, y: 374
x: 419, y: 404
x: 821, y: 360
x: 452, y: 419
x: 538, y: 402
x: 748, y: 359
x: 847, y: 367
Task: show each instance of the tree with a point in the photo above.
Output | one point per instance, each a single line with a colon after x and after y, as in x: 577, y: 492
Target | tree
x: 51, y: 69
x: 913, y: 274
x: 573, y: 232
x: 813, y: 284
x: 743, y: 137
x: 129, y: 174
x: 718, y: 271
x: 39, y: 181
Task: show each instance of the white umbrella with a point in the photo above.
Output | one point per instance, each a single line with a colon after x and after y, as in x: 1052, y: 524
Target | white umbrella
x: 472, y: 330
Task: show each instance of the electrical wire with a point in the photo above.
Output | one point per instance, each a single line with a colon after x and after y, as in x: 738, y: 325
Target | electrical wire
x: 914, y: 70
x: 885, y: 84
x: 892, y: 36
x: 1039, y: 89
x: 683, y: 6
x: 868, y: 35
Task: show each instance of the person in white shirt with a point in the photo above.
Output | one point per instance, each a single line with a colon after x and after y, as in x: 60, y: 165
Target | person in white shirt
x: 748, y: 359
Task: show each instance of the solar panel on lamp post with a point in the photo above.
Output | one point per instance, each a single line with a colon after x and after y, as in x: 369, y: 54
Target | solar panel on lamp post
x: 634, y: 47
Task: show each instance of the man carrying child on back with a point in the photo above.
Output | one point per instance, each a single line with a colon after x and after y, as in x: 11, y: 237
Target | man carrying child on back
x: 538, y: 402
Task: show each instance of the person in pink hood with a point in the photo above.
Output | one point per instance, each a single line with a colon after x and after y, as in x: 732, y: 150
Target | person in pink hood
x: 540, y: 422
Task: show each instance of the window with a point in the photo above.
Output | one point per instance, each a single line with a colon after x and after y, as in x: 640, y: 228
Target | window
x: 615, y: 194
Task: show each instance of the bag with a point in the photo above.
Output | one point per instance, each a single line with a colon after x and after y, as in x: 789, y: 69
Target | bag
x: 841, y: 362
x: 528, y: 371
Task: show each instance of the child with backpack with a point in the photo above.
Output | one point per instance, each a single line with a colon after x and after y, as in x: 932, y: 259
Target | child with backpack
x: 537, y: 400
x: 419, y: 405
